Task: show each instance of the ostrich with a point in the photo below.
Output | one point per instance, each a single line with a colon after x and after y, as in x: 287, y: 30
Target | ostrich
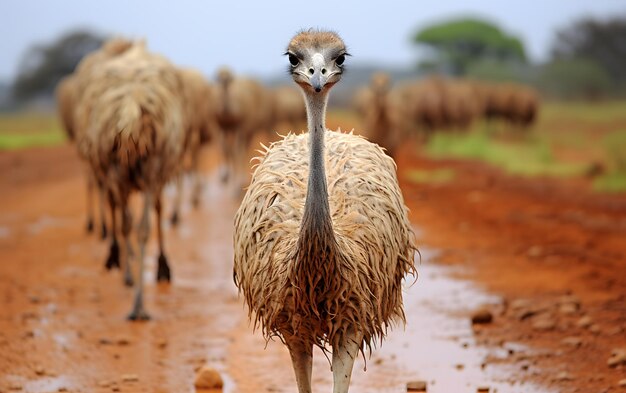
x: 378, y: 116
x: 84, y: 96
x: 202, y: 125
x: 289, y: 110
x: 322, y: 238
x: 243, y: 107
x: 135, y: 140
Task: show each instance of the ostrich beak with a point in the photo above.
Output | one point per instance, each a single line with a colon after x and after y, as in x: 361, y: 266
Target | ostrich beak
x: 318, y: 79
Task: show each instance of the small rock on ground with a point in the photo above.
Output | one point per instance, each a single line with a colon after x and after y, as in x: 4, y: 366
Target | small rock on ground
x: 584, y: 322
x: 416, y: 386
x: 104, y: 384
x: 130, y: 378
x: 208, y: 378
x: 622, y: 383
x: 568, y: 308
x: 572, y: 341
x: 563, y: 376
x: 161, y: 343
x: 544, y: 324
x: 482, y: 389
x: 618, y: 357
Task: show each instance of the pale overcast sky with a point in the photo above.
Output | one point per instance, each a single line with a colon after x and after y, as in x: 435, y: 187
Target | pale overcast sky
x: 251, y: 36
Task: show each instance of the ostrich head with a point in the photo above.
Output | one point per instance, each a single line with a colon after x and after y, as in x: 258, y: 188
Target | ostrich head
x: 316, y: 60
x: 224, y: 76
x: 380, y: 83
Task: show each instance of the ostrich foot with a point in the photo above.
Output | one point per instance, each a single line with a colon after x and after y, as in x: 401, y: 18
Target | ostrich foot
x: 103, y: 231
x: 113, y: 261
x: 174, y: 219
x: 163, y: 270
x: 128, y: 279
x: 89, y: 225
x: 139, y: 313
x: 195, y: 202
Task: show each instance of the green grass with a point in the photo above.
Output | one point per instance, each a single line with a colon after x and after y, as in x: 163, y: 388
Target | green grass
x: 611, y: 182
x: 24, y: 130
x: 437, y: 176
x: 599, y: 112
x: 10, y: 141
x: 532, y: 157
x: 615, y: 179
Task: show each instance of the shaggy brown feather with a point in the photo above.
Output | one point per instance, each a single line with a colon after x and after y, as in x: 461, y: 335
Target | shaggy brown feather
x: 356, y: 281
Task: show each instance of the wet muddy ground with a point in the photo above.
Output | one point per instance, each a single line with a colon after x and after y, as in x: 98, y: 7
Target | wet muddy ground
x: 539, y: 256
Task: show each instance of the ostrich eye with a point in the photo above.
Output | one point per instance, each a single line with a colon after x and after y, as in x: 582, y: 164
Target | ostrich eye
x: 340, y: 59
x: 293, y: 60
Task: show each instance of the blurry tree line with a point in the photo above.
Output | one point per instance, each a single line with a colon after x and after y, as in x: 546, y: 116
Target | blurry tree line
x: 43, y: 65
x: 587, y: 58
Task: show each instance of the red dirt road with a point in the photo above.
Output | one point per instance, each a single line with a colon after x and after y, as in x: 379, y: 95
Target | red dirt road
x: 62, y: 325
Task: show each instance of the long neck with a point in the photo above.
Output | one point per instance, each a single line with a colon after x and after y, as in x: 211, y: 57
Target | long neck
x: 316, y: 221
x: 225, y: 99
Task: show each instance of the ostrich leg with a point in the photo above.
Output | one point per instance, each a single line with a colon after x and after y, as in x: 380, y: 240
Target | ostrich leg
x: 197, y: 180
x: 302, y: 360
x: 343, y: 360
x: 113, y: 260
x: 175, y: 218
x: 127, y: 226
x: 163, y: 269
x: 90, y: 185
x: 139, y: 313
x: 101, y: 205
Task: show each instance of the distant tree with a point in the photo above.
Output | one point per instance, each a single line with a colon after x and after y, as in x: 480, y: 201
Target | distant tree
x: 460, y: 42
x: 576, y: 78
x: 42, y: 66
x: 600, y: 41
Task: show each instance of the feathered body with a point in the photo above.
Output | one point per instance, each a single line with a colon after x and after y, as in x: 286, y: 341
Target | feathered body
x: 357, y: 282
x: 135, y: 130
x: 135, y: 122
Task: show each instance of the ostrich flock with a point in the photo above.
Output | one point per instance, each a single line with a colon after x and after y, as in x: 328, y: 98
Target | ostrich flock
x: 418, y: 108
x: 322, y: 239
x: 139, y: 123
